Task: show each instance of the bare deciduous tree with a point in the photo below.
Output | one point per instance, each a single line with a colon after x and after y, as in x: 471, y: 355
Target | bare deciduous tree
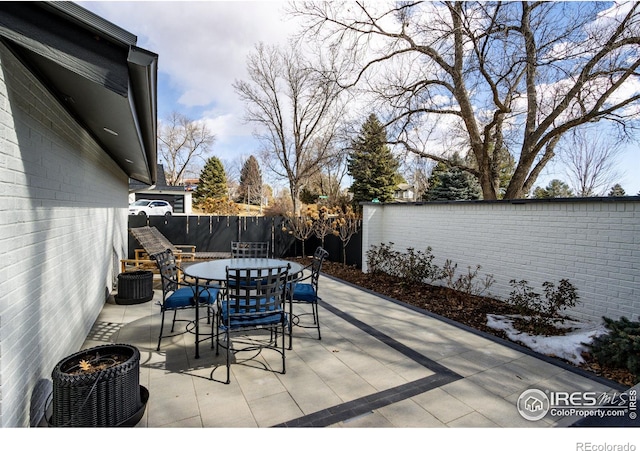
x: 510, y: 75
x: 296, y: 110
x: 181, y: 142
x: 590, y: 157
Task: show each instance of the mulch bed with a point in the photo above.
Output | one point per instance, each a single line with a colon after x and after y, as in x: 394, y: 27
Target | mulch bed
x: 458, y: 306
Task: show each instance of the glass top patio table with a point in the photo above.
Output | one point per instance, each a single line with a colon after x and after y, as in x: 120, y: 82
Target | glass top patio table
x: 216, y: 271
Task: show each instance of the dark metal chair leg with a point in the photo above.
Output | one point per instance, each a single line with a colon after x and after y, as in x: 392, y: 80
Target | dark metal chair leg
x: 228, y: 357
x: 161, y: 329
x: 316, y: 318
x: 290, y: 322
x: 173, y: 323
x: 284, y: 368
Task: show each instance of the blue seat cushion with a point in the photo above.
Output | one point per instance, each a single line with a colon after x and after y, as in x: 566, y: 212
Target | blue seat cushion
x: 183, y: 297
x: 254, y: 321
x: 253, y: 318
x: 304, y: 292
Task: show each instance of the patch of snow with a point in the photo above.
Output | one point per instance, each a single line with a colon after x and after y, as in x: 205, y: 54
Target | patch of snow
x: 568, y: 347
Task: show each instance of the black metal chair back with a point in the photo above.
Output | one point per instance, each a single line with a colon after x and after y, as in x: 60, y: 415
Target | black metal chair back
x: 178, y: 294
x: 254, y: 294
x: 316, y: 265
x: 255, y: 299
x: 249, y: 249
x: 169, y: 271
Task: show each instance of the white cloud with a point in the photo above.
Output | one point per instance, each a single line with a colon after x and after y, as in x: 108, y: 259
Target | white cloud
x: 202, y: 48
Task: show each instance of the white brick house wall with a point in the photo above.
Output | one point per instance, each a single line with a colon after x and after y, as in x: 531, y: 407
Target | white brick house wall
x: 595, y: 244
x: 63, y: 225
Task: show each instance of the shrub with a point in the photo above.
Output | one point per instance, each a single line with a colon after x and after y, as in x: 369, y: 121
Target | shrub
x: 523, y: 298
x: 467, y: 283
x: 546, y: 310
x: 383, y: 259
x: 560, y: 298
x: 411, y: 267
x: 417, y: 266
x: 620, y: 347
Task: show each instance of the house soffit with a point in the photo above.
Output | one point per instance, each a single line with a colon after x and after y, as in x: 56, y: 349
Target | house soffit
x: 95, y: 70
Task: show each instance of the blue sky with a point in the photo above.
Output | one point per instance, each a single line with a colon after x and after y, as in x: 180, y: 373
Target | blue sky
x: 202, y: 48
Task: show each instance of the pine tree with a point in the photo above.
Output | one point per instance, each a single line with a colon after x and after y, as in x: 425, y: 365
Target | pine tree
x: 555, y: 188
x: 452, y: 183
x: 250, y: 189
x: 372, y: 165
x: 213, y: 181
x: 616, y: 190
x: 620, y: 347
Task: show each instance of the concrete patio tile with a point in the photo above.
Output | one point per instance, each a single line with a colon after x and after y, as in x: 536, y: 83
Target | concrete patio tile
x: 193, y: 422
x: 349, y: 379
x: 495, y: 408
x: 165, y: 410
x: 368, y: 420
x: 308, y: 389
x: 463, y: 367
x: 464, y: 337
x: 442, y: 405
x: 223, y: 405
x: 441, y: 350
x: 409, y: 370
x: 274, y: 409
x: 472, y: 420
x: 171, y: 386
x: 255, y: 382
x: 490, y: 356
x: 172, y: 361
x: 350, y: 388
x: 225, y: 418
x: 500, y: 381
x: 569, y: 381
x: 326, y: 364
x: 375, y: 373
x: 532, y: 369
x: 409, y: 414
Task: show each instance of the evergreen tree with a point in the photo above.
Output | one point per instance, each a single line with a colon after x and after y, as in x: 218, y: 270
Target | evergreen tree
x: 372, y: 165
x: 307, y: 196
x: 213, y: 181
x: 616, y: 190
x: 452, y: 183
x: 250, y: 189
x: 555, y: 188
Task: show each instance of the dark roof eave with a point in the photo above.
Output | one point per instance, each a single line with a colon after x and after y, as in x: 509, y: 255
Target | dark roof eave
x: 143, y: 69
x: 128, y: 93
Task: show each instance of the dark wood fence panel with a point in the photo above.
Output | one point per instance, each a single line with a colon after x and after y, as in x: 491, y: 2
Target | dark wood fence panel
x: 215, y: 233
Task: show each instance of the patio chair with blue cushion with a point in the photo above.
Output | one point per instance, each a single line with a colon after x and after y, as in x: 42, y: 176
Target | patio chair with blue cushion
x: 307, y: 293
x: 178, y: 294
x: 254, y: 300
x: 249, y: 249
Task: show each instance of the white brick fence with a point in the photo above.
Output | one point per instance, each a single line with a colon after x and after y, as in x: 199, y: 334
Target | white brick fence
x: 594, y: 243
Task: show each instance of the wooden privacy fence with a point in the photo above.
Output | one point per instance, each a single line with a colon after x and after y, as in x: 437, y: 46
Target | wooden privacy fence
x: 215, y: 234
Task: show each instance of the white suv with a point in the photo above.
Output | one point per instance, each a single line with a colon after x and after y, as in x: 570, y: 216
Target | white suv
x: 150, y: 208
